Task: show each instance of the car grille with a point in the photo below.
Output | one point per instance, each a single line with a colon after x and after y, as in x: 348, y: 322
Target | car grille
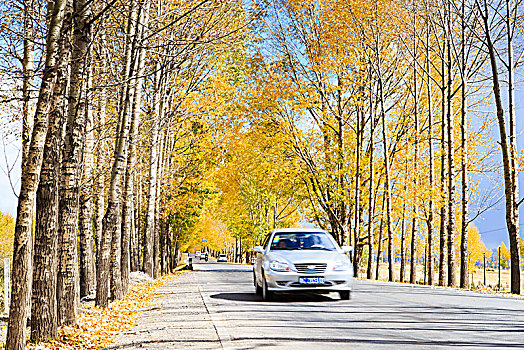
x: 310, y: 268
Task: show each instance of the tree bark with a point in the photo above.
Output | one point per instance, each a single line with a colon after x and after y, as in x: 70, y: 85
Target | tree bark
x: 156, y: 242
x: 443, y: 175
x: 403, y: 244
x: 44, y: 314
x: 371, y: 210
x: 87, y: 261
x: 513, y: 228
x: 100, y: 162
x: 464, y: 260
x: 28, y: 67
x: 357, y: 248
x: 108, y: 264
x: 379, y: 250
x: 414, y: 227
x: 22, y: 250
x: 387, y: 185
x: 69, y: 206
x: 429, y: 221
x: 127, y: 209
x: 452, y: 270
x: 149, y: 255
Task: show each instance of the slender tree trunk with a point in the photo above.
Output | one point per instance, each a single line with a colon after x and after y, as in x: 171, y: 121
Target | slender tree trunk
x: 452, y: 270
x: 414, y: 227
x: 22, y: 251
x: 100, y: 161
x: 87, y: 261
x: 443, y: 175
x: 156, y: 244
x: 513, y: 229
x: 67, y: 292
x: 508, y: 183
x: 356, y: 250
x: 28, y: 67
x: 43, y: 307
x: 149, y: 263
x: 431, y: 209
x: 371, y: 212
x: 108, y: 264
x: 379, y: 250
x: 387, y: 185
x: 403, y: 242
x: 136, y: 242
x: 464, y: 281
x: 44, y: 321
x: 127, y: 210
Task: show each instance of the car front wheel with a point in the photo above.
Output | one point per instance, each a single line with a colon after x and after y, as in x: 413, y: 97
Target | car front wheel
x: 266, y: 294
x: 345, y: 294
x: 258, y: 289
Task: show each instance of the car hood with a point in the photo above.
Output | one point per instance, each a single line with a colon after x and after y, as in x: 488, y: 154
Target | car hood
x: 306, y: 256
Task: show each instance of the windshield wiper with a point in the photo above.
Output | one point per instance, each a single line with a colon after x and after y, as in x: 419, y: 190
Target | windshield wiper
x: 319, y: 248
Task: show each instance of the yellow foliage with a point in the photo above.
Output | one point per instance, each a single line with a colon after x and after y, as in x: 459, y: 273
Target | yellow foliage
x: 7, y: 230
x: 504, y: 255
x: 476, y: 248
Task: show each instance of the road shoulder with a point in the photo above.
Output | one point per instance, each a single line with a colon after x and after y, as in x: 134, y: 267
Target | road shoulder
x: 180, y: 321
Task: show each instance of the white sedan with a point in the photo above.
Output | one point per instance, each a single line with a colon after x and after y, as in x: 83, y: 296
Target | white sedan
x: 296, y: 260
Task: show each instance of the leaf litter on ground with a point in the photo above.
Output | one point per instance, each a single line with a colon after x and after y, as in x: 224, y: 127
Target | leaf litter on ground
x: 97, y: 327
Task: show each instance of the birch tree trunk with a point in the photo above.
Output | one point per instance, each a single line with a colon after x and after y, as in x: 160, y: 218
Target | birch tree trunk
x: 108, y: 262
x: 71, y: 166
x: 149, y: 263
x: 387, y: 185
x: 371, y: 209
x: 464, y: 280
x: 414, y: 227
x: 127, y: 210
x: 22, y: 250
x: 443, y: 175
x: 157, y: 220
x: 44, y: 314
x: 429, y: 221
x: 28, y: 67
x: 87, y: 261
x: 513, y: 228
x: 136, y: 242
x: 452, y: 270
x: 380, y: 234
x: 358, y: 152
x: 403, y: 243
x: 100, y: 165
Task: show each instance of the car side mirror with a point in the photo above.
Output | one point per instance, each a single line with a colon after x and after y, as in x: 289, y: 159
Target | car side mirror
x: 258, y: 249
x: 347, y: 249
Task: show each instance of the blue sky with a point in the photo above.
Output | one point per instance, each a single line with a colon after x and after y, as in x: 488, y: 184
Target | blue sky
x: 492, y: 224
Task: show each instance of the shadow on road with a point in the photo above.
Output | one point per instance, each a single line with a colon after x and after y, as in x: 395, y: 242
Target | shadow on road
x: 281, y: 297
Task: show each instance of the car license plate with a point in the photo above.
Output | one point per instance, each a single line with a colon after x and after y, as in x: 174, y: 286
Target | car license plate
x: 311, y: 280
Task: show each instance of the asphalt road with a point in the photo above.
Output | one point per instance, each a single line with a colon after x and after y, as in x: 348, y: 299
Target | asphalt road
x: 380, y: 315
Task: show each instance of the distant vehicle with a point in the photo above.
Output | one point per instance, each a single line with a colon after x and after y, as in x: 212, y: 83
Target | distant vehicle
x: 197, y: 254
x: 222, y: 258
x: 296, y: 260
x: 203, y: 256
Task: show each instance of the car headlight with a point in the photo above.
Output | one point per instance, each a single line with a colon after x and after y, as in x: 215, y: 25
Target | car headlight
x: 279, y: 266
x: 342, y: 266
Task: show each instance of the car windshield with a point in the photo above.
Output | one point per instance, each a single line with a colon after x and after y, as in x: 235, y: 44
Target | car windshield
x: 301, y: 240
